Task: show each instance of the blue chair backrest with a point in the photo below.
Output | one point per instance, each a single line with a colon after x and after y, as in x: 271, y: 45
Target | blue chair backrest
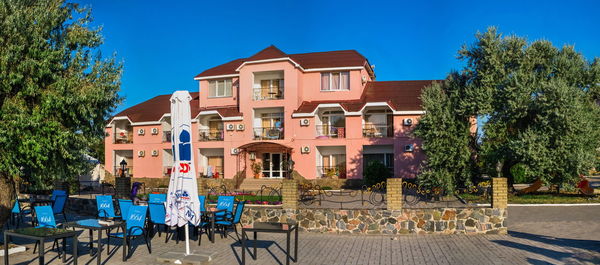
x: 56, y: 193
x: 157, y: 212
x: 136, y: 217
x: 105, y: 206
x: 238, y: 212
x: 225, y: 203
x: 59, y: 203
x: 202, y: 200
x: 124, y: 206
x: 157, y: 197
x: 16, y: 207
x: 45, y: 216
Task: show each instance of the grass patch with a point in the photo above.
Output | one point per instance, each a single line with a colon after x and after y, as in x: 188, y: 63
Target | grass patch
x: 536, y: 198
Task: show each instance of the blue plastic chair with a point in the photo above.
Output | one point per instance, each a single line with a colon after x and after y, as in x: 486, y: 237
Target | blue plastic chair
x: 157, y: 197
x: 225, y: 203
x: 232, y: 221
x: 105, y: 206
x: 56, y: 193
x: 203, y: 225
x: 58, y: 205
x: 135, y: 221
x: 18, y: 212
x: 124, y: 206
x: 45, y: 219
x: 157, y: 219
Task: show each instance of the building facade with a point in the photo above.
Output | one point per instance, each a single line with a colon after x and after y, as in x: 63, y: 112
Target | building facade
x: 321, y: 114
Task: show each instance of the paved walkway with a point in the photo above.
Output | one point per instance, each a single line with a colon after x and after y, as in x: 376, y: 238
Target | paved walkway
x: 539, y: 235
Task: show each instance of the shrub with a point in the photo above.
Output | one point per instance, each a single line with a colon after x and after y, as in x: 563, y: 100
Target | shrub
x: 376, y: 172
x: 326, y: 188
x: 521, y: 173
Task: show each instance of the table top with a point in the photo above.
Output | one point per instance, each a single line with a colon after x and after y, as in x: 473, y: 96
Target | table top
x: 270, y: 227
x: 94, y: 224
x: 41, y: 233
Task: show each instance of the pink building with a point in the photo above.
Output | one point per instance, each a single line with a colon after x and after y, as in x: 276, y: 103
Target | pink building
x: 324, y: 111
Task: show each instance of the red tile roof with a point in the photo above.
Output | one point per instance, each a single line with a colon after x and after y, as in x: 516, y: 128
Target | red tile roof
x: 344, y: 58
x: 154, y: 108
x: 400, y: 95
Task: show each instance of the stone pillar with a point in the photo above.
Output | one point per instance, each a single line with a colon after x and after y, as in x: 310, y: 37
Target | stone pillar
x: 394, y: 194
x: 202, y: 190
x: 123, y: 188
x: 290, y: 195
x: 499, y: 193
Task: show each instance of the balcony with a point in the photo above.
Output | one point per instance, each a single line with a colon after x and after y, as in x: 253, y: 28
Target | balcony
x: 166, y: 137
x: 128, y: 171
x: 211, y: 135
x: 268, y: 93
x: 268, y: 133
x: 332, y: 171
x: 378, y: 130
x: 328, y: 131
x: 124, y: 137
x: 167, y: 171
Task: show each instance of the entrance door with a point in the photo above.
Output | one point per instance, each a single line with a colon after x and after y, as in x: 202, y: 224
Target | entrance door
x: 272, y: 165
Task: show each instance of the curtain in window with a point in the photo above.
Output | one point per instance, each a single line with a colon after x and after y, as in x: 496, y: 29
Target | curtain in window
x: 325, y: 81
x: 335, y: 81
x: 211, y: 89
x: 345, y: 80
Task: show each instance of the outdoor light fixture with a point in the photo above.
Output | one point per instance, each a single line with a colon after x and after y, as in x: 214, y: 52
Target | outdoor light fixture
x: 123, y: 165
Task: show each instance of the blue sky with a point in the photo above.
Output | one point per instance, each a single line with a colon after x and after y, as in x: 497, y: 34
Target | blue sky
x: 164, y: 44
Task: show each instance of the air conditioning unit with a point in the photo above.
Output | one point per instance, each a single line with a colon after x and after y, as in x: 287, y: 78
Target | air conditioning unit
x: 141, y: 131
x: 407, y: 122
x: 141, y: 153
x: 240, y: 127
x: 304, y: 122
x: 235, y: 151
x: 305, y: 149
x: 230, y: 126
x: 409, y: 148
x: 154, y: 131
x: 154, y: 152
x: 363, y: 79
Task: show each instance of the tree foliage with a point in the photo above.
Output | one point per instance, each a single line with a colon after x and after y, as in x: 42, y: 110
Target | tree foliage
x: 376, y: 172
x: 56, y: 89
x: 541, y: 105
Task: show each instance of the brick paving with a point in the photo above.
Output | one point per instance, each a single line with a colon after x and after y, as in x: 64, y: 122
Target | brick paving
x: 517, y: 248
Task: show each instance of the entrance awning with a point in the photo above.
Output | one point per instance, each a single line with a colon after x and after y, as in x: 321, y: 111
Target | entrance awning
x: 260, y: 146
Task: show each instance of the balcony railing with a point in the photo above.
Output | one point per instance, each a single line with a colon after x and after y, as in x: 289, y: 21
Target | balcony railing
x: 268, y: 133
x: 124, y: 137
x: 327, y: 131
x: 211, y: 135
x: 166, y: 138
x: 215, y: 170
x: 332, y: 171
x: 268, y: 93
x: 167, y: 171
x: 378, y: 130
x: 128, y: 171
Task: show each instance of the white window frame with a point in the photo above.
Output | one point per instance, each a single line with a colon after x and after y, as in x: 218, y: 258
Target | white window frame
x: 224, y: 83
x: 331, y: 80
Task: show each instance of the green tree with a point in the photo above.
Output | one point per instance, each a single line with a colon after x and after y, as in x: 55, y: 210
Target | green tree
x: 56, y: 92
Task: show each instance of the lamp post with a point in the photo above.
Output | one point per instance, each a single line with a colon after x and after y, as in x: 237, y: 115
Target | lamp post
x: 123, y: 184
x: 123, y: 166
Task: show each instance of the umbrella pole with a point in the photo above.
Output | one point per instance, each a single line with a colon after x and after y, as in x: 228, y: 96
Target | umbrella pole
x: 187, y: 240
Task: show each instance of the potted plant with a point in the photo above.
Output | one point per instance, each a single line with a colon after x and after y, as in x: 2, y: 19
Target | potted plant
x: 256, y: 169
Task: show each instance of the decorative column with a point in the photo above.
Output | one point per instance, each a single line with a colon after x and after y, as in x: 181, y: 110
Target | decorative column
x: 123, y: 187
x: 394, y: 194
x: 290, y: 194
x: 499, y: 193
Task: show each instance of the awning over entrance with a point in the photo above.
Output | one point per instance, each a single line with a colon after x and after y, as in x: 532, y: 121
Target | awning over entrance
x: 263, y: 146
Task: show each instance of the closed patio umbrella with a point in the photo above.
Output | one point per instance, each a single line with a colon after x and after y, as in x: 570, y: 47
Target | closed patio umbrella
x: 182, y: 199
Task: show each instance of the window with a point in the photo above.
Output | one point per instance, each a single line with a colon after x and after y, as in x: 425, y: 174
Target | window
x: 219, y: 88
x: 335, y: 81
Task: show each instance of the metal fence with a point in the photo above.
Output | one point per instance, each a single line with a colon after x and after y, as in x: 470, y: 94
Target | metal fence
x: 315, y: 195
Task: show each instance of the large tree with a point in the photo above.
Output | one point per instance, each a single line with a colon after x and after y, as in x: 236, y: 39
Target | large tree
x: 540, y: 103
x: 56, y: 92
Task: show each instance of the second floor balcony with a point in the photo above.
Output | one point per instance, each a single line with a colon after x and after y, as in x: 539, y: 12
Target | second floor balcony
x: 124, y: 137
x: 166, y: 137
x: 268, y: 93
x: 332, y: 171
x: 211, y: 135
x: 328, y: 131
x: 268, y: 133
x: 378, y: 130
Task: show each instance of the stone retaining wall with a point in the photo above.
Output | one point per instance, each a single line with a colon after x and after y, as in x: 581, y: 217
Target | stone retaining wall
x: 406, y: 221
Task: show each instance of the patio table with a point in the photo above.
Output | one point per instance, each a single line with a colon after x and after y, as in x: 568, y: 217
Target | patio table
x: 211, y: 213
x: 271, y: 228
x: 93, y: 225
x: 41, y: 235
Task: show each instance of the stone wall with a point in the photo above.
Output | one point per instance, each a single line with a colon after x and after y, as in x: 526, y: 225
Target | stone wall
x: 406, y: 221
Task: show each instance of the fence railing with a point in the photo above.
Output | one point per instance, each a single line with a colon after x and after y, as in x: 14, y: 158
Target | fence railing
x: 378, y: 130
x: 128, y: 171
x: 332, y: 171
x: 374, y: 196
x: 211, y: 135
x: 326, y: 131
x: 268, y: 133
x: 268, y: 93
